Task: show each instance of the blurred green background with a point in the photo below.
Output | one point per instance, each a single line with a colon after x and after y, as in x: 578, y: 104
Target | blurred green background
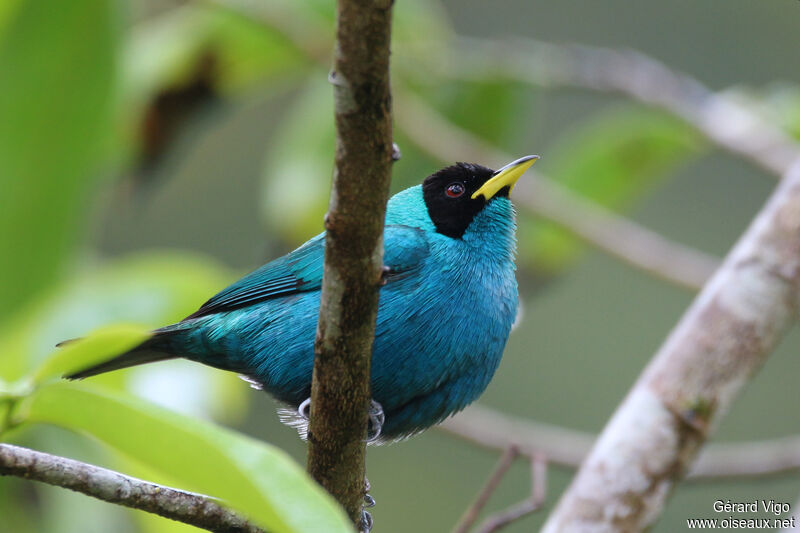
x: 153, y: 151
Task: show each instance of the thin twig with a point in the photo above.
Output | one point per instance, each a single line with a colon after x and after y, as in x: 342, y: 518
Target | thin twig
x: 470, y: 516
x: 187, y: 507
x: 597, y: 226
x: 618, y: 236
x: 537, y: 498
x: 495, y: 431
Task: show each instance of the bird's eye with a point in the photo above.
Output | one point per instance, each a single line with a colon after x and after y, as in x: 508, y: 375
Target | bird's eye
x: 454, y: 190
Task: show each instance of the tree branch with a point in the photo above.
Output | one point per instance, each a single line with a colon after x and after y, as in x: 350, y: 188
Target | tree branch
x: 469, y: 517
x: 340, y: 391
x: 729, y: 124
x: 193, y: 509
x: 615, y: 235
x: 724, y: 337
x: 532, y: 504
x: 497, y: 431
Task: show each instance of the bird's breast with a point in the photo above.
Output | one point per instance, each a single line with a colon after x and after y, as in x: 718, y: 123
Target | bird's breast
x: 447, y: 324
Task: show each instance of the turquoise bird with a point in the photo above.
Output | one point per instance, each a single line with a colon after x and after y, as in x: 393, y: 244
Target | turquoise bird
x: 445, y: 310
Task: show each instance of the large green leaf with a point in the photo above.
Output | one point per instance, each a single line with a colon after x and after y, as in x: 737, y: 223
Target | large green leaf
x: 7, y: 8
x: 148, y: 288
x: 258, y: 479
x: 57, y: 81
x: 154, y: 289
x: 611, y: 159
x: 82, y: 353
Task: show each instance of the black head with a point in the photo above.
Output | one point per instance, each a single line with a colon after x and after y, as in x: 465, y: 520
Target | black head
x: 448, y: 196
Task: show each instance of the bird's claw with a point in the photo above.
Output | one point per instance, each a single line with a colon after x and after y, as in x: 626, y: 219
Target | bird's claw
x: 304, y: 409
x: 366, y: 522
x: 376, y: 420
x: 369, y: 501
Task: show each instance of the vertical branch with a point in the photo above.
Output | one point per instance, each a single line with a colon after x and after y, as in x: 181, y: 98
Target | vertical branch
x: 340, y: 391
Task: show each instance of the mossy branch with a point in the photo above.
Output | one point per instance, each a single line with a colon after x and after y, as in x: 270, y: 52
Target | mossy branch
x: 187, y: 507
x: 340, y: 391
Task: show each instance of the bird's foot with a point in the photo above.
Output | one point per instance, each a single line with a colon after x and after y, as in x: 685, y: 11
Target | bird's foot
x: 366, y: 518
x: 304, y: 409
x: 369, y: 501
x: 376, y: 420
x: 365, y: 525
x: 376, y: 417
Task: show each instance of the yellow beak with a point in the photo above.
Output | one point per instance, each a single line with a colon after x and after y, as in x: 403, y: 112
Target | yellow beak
x: 505, y: 177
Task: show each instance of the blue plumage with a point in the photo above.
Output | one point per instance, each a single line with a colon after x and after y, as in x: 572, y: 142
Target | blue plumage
x: 443, y: 319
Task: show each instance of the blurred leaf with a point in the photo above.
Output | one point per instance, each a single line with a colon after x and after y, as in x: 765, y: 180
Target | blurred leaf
x: 421, y: 37
x: 7, y: 9
x: 611, y: 159
x: 150, y: 523
x: 164, y: 50
x: 420, y: 28
x: 95, y: 348
x: 152, y: 289
x: 178, y: 63
x: 489, y: 108
x: 258, y: 479
x: 155, y: 289
x: 57, y: 80
x: 297, y: 172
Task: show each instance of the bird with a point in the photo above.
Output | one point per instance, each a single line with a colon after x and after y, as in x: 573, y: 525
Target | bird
x: 446, y: 307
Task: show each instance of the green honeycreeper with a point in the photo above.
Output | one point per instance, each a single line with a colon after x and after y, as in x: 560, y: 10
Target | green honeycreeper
x: 444, y: 315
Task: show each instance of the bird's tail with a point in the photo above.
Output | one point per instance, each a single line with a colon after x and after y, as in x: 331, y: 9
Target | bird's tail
x: 153, y: 349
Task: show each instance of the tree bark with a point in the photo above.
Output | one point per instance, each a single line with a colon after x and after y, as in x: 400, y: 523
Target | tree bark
x: 724, y: 337
x: 353, y: 251
x: 187, y: 507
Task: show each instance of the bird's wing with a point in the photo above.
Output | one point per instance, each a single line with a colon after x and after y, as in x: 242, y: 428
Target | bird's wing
x: 301, y: 270
x: 404, y: 248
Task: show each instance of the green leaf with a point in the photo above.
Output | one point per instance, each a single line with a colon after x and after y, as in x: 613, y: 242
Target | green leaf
x: 261, y: 481
x: 57, y: 89
x: 153, y: 288
x: 7, y: 8
x: 612, y: 159
x: 165, y: 50
x: 95, y: 348
x: 421, y: 39
x: 489, y: 108
x: 297, y: 173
